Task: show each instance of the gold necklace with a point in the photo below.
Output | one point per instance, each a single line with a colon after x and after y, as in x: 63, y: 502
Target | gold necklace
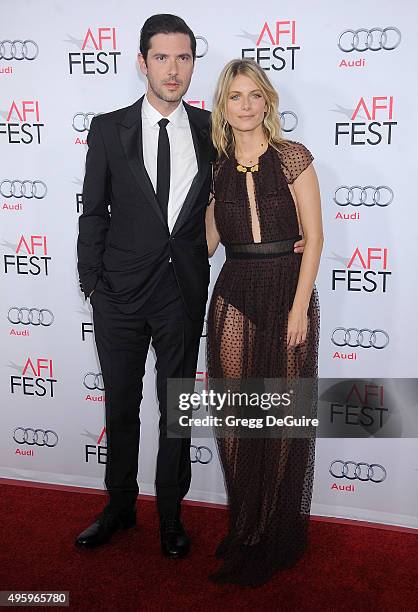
x: 244, y: 169
x: 253, y: 168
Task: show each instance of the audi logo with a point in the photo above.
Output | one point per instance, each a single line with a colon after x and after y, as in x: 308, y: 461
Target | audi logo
x: 23, y: 189
x: 374, y: 39
x: 373, y: 472
x: 82, y: 121
x: 363, y: 196
x: 202, y: 46
x: 289, y: 121
x: 200, y: 454
x: 30, y: 316
x: 93, y: 381
x: 38, y: 437
x: 364, y: 338
x: 18, y: 50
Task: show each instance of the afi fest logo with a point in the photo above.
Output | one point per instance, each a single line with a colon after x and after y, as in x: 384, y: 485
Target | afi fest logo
x: 372, y: 276
x: 362, y: 405
x: 37, y: 378
x: 97, y: 450
x: 31, y: 257
x: 23, y: 123
x: 376, y: 125
x: 199, y: 103
x: 98, y: 53
x: 86, y: 330
x: 79, y: 203
x: 275, y: 45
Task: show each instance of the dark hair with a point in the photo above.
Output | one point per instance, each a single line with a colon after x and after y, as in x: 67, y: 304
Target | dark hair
x: 164, y: 24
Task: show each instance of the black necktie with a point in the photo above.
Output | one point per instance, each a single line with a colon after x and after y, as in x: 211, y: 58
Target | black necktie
x: 163, y: 167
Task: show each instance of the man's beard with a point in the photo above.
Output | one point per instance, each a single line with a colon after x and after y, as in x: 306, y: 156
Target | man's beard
x: 168, y: 96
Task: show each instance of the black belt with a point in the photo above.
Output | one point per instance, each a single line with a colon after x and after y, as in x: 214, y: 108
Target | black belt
x: 261, y: 250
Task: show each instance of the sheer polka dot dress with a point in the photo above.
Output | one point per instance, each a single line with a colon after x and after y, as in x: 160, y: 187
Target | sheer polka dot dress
x: 268, y: 481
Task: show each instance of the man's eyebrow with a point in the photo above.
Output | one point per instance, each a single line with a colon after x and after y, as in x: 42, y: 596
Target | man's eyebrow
x: 178, y: 54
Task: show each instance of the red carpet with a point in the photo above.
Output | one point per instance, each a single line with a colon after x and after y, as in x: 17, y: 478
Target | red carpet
x: 347, y: 568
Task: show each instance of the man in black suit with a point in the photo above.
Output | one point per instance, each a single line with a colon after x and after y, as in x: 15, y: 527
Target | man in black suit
x: 145, y: 268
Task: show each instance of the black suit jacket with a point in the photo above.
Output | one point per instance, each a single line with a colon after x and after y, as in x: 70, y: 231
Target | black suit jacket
x: 124, y: 242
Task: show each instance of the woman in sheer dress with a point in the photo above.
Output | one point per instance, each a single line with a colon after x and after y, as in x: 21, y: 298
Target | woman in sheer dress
x: 263, y: 316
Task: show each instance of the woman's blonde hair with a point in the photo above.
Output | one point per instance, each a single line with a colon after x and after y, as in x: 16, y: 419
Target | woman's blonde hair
x: 222, y: 135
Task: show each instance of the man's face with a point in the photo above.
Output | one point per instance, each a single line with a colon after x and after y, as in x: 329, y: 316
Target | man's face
x: 169, y: 66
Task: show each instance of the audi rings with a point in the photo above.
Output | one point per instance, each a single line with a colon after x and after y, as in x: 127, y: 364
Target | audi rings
x: 374, y: 39
x: 364, y: 338
x: 23, y: 189
x: 200, y: 454
x: 18, y: 50
x: 38, y: 437
x: 363, y: 196
x: 30, y: 316
x: 289, y: 121
x: 202, y: 46
x: 351, y: 470
x: 82, y: 121
x: 93, y: 381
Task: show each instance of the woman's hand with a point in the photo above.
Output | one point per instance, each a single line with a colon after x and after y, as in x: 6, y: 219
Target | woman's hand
x: 212, y: 235
x: 299, y: 246
x: 297, y: 327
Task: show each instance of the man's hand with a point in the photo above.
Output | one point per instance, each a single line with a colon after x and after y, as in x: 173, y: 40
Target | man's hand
x: 299, y: 246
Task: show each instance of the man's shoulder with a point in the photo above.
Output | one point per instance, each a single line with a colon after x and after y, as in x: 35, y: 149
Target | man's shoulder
x: 115, y: 116
x: 198, y: 115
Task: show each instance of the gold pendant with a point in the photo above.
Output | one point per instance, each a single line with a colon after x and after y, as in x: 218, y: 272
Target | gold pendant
x: 244, y: 169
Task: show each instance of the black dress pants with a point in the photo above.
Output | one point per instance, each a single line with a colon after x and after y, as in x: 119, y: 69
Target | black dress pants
x: 123, y: 342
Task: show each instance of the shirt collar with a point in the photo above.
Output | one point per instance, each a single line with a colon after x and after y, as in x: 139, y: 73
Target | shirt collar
x: 154, y: 116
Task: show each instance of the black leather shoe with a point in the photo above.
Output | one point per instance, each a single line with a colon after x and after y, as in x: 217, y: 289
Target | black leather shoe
x: 175, y: 542
x: 104, y: 527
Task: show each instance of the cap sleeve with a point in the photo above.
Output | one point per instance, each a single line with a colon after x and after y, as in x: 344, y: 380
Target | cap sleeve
x: 295, y: 158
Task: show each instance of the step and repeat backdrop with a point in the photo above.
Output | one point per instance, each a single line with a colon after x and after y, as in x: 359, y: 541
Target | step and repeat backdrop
x: 347, y: 91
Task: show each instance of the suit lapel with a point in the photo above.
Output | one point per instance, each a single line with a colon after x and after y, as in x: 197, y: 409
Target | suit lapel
x: 199, y: 136
x: 130, y: 131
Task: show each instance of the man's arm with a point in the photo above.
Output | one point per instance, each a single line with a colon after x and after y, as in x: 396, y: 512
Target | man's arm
x: 94, y: 222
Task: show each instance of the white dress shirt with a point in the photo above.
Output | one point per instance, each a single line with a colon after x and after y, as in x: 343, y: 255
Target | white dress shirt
x: 183, y: 164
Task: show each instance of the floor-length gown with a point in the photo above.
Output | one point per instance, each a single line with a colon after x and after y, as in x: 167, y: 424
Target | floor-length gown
x: 268, y: 481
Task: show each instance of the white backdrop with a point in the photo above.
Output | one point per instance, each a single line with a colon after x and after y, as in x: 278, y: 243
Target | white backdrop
x: 354, y: 109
